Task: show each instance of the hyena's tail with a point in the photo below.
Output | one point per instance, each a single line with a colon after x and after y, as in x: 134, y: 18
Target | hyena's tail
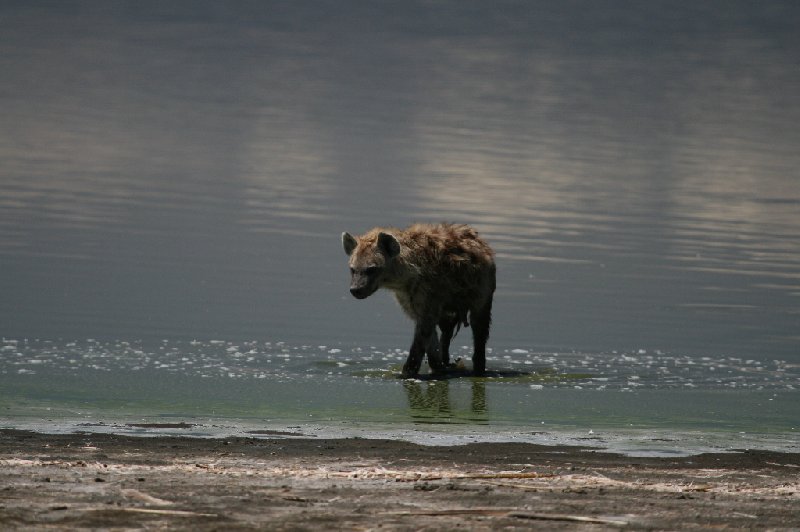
x: 461, y: 321
x: 452, y: 323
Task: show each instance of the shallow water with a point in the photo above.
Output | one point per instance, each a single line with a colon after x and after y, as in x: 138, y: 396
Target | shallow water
x: 175, y: 174
x: 639, y: 403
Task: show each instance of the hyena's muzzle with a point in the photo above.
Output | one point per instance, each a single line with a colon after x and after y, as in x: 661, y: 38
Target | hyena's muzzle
x: 364, y: 283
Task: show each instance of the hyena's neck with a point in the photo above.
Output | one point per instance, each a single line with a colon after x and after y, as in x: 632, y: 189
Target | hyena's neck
x: 401, y: 276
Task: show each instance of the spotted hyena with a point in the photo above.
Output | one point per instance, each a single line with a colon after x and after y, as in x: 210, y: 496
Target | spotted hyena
x: 442, y: 275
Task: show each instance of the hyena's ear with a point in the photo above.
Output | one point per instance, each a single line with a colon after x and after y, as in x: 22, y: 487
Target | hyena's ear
x: 349, y: 243
x: 389, y: 245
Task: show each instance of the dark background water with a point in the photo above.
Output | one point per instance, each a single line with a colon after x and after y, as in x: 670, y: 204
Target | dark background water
x: 180, y: 170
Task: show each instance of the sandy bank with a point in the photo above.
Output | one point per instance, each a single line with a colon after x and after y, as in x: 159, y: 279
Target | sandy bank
x: 100, y: 480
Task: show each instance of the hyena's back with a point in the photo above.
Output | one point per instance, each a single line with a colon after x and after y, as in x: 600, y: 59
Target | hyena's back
x: 449, y: 264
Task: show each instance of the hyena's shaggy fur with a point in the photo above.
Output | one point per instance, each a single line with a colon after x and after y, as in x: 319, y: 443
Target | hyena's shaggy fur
x: 442, y: 275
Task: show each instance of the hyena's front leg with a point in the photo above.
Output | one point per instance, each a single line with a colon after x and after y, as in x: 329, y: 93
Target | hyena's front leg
x: 446, y: 325
x: 424, y: 338
x: 434, y: 352
x: 415, y: 355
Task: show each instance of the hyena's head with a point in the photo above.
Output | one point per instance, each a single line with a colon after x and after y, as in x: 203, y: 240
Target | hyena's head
x: 370, y: 258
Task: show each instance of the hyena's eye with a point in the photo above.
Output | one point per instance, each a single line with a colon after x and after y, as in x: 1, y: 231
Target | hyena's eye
x: 372, y: 270
x: 352, y: 271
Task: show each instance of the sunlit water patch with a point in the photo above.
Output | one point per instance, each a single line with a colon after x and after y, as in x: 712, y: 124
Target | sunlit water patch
x: 279, y: 361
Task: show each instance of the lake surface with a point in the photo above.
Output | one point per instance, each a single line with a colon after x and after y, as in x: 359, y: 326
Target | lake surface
x: 175, y: 178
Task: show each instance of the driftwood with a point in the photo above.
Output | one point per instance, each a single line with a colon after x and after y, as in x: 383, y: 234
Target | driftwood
x: 505, y: 512
x: 470, y: 476
x: 159, y: 511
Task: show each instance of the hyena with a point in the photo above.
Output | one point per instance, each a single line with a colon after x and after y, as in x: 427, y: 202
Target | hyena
x: 442, y: 275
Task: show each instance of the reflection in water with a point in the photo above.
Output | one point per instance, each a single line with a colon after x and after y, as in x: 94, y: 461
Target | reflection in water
x: 478, y: 402
x: 431, y: 402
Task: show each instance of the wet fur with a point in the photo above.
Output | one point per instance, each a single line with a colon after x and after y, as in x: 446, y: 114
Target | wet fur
x: 442, y: 275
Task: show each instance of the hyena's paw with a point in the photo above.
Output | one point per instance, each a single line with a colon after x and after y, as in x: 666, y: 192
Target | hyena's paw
x: 408, y: 373
x: 457, y: 365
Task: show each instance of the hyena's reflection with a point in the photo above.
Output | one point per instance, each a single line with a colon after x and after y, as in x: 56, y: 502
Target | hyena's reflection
x: 430, y: 402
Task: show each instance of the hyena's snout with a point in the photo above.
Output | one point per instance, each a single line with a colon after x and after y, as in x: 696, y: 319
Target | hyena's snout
x: 361, y: 286
x: 359, y: 292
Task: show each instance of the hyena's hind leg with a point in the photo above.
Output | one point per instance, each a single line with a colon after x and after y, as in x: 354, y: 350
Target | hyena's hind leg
x: 481, y: 320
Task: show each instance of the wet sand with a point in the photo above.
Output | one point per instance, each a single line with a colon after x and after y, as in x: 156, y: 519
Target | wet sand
x: 105, y: 481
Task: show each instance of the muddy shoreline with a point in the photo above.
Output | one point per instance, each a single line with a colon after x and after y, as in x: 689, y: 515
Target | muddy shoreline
x: 102, y: 480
